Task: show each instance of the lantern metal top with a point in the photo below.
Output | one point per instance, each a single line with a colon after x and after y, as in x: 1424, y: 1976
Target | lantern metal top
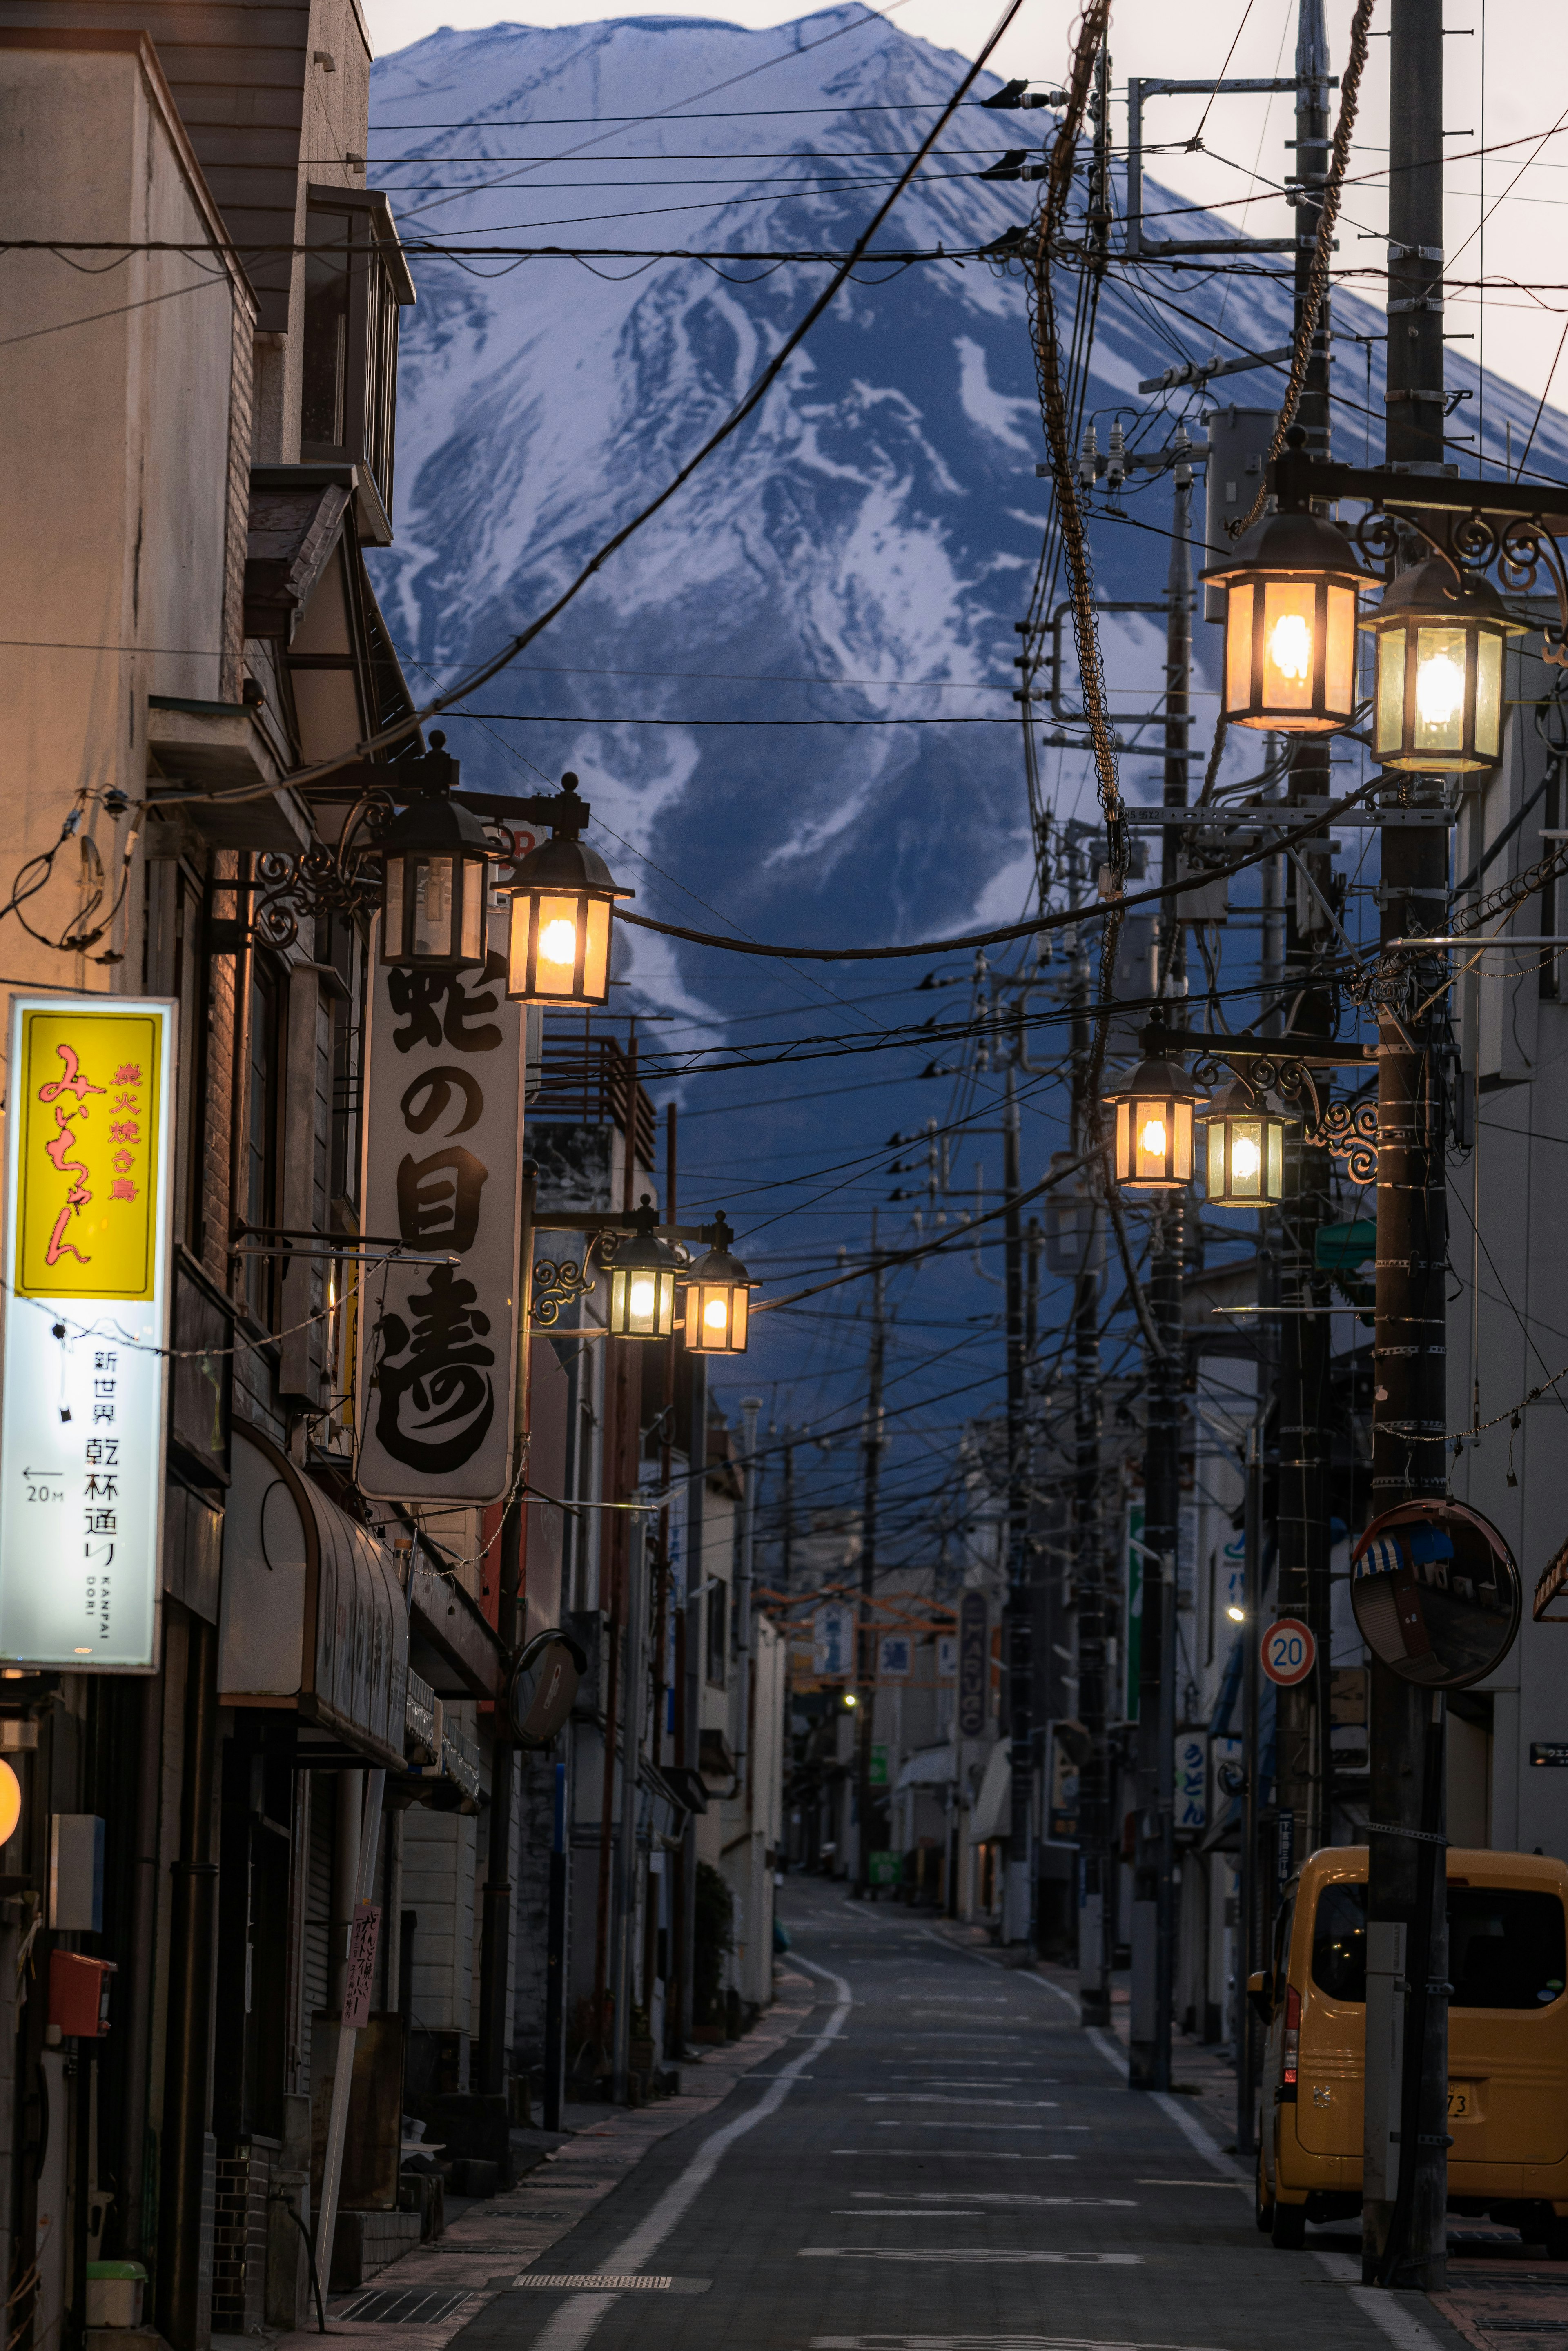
x: 1155, y: 1075
x: 645, y: 1252
x: 565, y: 862
x: 434, y: 824
x: 1292, y: 541
x: 1239, y: 1097
x: 1432, y: 591
x: 719, y: 1265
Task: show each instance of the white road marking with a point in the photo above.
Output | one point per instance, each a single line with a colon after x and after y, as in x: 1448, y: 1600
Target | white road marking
x: 1391, y: 2312
x: 971, y: 2254
x: 932, y: 2122
x: 935, y: 2098
x: 984, y: 2343
x: 969, y: 2154
x: 1191, y: 2130
x: 997, y: 2196
x: 573, y: 2324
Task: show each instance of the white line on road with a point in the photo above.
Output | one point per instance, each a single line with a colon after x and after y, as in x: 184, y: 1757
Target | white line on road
x: 1391, y: 2312
x: 985, y: 2343
x: 574, y: 2322
x: 970, y: 2154
x: 971, y: 2254
x: 935, y: 2098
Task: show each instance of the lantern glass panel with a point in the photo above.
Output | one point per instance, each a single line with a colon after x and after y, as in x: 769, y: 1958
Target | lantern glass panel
x: 1339, y: 652
x: 1123, y: 1141
x: 1289, y: 648
x: 596, y: 949
x: 556, y: 943
x: 1389, y: 726
x: 430, y: 887
x: 1275, y: 1137
x: 642, y: 1302
x: 1151, y: 1141
x: 392, y: 910
x: 1488, y: 695
x: 1239, y: 647
x: 1245, y: 1174
x: 472, y: 940
x: 1439, y: 689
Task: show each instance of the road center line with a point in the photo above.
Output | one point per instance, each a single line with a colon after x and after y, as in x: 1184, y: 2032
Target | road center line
x: 575, y: 2322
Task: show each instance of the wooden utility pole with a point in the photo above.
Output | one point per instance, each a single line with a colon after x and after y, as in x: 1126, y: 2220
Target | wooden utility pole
x: 865, y: 1633
x: 1088, y: 1547
x: 1302, y: 1747
x: 1404, y: 2235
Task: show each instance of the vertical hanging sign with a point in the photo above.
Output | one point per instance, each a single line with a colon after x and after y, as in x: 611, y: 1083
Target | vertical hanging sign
x: 443, y: 1159
x: 89, y: 1181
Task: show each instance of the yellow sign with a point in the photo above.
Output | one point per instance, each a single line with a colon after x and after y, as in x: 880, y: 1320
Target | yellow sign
x: 88, y: 1188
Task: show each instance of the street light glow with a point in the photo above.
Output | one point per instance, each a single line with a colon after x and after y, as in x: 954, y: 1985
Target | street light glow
x: 1290, y: 647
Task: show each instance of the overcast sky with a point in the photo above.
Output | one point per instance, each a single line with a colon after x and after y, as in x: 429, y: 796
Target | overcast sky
x: 1506, y: 63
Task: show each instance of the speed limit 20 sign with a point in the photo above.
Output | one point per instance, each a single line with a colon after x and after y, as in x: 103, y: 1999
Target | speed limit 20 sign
x: 1290, y: 1651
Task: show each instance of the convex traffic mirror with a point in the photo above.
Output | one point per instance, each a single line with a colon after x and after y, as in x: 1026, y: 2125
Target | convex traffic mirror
x: 1436, y: 1593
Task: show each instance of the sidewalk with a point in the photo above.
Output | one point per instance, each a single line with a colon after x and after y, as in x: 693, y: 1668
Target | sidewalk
x: 482, y: 2251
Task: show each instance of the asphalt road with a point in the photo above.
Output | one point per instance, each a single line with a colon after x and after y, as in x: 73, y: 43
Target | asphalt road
x: 941, y: 2160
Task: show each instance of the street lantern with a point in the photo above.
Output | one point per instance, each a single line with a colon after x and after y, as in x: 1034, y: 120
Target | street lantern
x: 435, y: 857
x: 1246, y: 1148
x: 1153, y: 1145
x: 718, y: 1290
x: 1439, y: 701
x: 1290, y: 626
x: 563, y: 895
x: 643, y: 1282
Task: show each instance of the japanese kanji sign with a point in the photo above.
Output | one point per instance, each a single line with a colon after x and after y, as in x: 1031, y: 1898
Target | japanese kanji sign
x: 443, y: 1141
x: 89, y: 1183
x: 359, y: 1980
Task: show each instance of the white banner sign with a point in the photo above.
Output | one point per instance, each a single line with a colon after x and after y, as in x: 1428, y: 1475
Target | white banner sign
x: 88, y: 1186
x: 833, y: 1641
x: 444, y: 1145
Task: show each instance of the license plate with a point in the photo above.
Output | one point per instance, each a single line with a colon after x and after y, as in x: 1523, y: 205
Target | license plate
x: 1460, y: 2107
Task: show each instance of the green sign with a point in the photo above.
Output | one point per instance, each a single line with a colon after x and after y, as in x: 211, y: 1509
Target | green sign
x: 885, y: 1868
x: 1135, y: 1611
x: 879, y: 1767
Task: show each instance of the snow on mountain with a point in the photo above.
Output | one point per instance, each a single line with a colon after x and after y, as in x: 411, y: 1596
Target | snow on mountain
x: 859, y: 550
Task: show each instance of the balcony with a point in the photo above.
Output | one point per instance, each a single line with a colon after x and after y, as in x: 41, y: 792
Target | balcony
x: 356, y: 281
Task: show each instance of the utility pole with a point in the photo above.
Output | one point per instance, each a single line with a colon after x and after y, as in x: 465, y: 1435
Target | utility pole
x: 1088, y: 1552
x: 1018, y: 1910
x: 1305, y: 1811
x: 787, y: 1535
x: 1403, y: 2236
x: 865, y: 1637
x: 1154, y: 1889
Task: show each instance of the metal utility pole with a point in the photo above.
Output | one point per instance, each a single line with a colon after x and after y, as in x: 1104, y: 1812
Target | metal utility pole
x: 865, y: 1635
x: 1302, y: 1739
x: 1088, y: 1555
x: 1403, y: 2226
x: 1017, y: 1909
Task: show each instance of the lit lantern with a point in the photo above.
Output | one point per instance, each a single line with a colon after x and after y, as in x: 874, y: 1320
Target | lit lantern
x: 563, y: 895
x: 435, y: 858
x: 1153, y: 1143
x: 10, y: 1802
x: 1245, y: 1145
x: 718, y: 1290
x: 1290, y: 626
x: 642, y: 1283
x: 1438, y: 703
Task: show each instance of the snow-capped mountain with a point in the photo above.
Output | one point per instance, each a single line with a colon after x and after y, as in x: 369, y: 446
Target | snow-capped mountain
x: 859, y: 550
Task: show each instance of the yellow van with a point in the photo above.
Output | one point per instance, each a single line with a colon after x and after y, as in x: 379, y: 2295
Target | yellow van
x: 1507, y: 2046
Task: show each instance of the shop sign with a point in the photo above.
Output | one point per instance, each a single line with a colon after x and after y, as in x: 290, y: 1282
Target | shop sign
x: 974, y: 1665
x: 88, y: 1178
x: 442, y: 1153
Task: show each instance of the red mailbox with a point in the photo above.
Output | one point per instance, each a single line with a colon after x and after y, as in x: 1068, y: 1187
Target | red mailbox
x: 78, y: 1994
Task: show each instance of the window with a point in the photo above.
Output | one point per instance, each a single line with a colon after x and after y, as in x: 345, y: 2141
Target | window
x: 1339, y: 1942
x: 717, y: 1632
x: 1505, y: 1948
x: 356, y: 281
x: 261, y: 1133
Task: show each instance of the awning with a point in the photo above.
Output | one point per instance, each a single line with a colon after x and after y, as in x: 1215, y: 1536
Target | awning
x: 992, y: 1815
x: 312, y: 1613
x: 932, y: 1767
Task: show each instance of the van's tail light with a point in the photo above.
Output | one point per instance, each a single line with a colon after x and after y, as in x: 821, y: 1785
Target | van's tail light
x: 1293, y: 2050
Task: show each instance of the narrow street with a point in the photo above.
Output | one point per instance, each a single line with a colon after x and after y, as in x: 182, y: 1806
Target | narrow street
x: 938, y: 2156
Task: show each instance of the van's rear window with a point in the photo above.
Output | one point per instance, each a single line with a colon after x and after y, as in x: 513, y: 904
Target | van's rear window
x: 1506, y: 1946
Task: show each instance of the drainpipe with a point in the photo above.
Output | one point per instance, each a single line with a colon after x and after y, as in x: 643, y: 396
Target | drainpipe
x: 185, y: 2316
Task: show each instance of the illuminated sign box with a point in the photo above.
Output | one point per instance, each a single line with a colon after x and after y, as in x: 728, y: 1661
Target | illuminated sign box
x: 87, y: 1289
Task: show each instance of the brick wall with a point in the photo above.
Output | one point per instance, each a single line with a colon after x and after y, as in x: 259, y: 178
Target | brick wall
x: 239, y: 2237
